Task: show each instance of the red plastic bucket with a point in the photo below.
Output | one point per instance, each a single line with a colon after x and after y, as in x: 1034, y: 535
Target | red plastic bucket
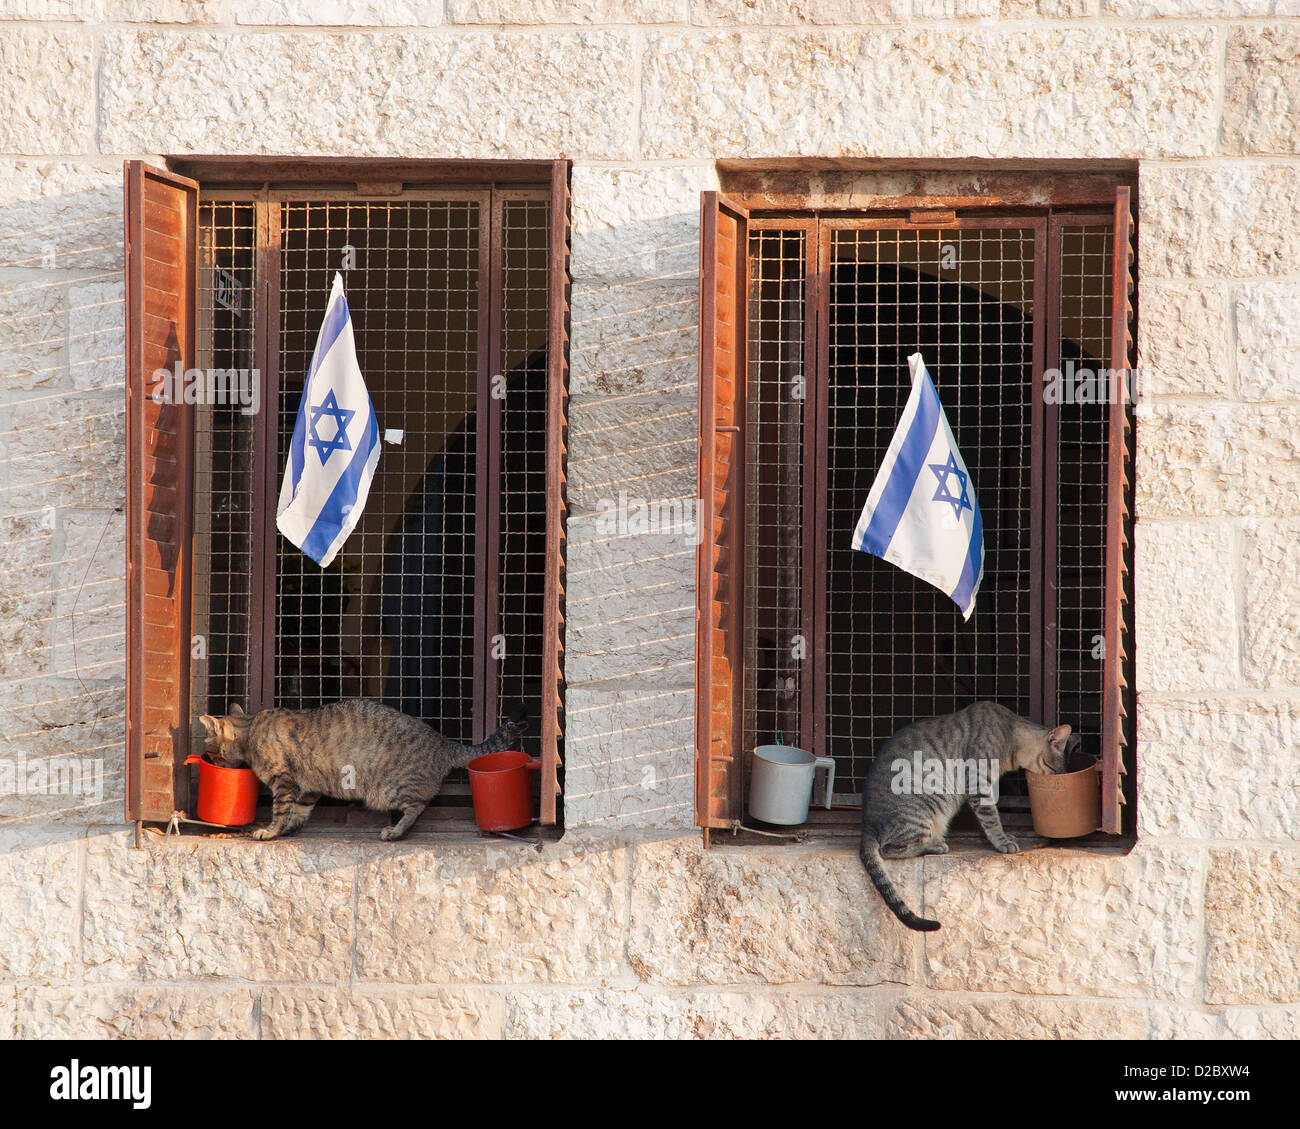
x: 227, y: 796
x: 499, y: 785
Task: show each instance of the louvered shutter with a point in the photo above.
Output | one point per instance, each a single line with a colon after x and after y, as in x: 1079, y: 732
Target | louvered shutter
x: 1119, y: 454
x: 557, y: 433
x: 161, y: 213
x: 719, y: 586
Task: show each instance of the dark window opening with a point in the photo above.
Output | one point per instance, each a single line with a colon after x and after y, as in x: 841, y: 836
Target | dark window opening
x: 392, y: 617
x: 894, y: 652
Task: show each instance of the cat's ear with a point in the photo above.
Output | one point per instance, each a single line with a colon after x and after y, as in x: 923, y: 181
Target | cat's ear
x: 209, y: 723
x: 238, y: 711
x: 1058, y: 737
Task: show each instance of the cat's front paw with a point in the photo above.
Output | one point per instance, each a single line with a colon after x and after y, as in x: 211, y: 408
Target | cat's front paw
x: 264, y: 833
x: 1008, y: 846
x: 388, y: 834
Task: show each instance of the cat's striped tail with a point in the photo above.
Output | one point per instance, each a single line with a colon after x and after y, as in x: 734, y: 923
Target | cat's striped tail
x: 869, y: 852
x: 505, y: 736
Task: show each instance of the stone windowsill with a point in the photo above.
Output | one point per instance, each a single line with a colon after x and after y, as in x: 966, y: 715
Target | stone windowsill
x: 838, y: 830
x: 441, y: 825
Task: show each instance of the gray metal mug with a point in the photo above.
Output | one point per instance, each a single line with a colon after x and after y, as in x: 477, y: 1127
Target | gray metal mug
x: 781, y: 782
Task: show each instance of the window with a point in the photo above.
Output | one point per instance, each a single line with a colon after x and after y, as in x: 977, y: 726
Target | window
x: 808, y: 316
x: 447, y: 600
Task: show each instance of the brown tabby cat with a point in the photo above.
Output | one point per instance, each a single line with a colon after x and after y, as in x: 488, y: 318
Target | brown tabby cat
x: 352, y: 750
x: 927, y: 771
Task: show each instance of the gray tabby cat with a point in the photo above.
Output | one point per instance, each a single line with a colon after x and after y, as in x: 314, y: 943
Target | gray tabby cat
x: 352, y: 750
x: 928, y: 770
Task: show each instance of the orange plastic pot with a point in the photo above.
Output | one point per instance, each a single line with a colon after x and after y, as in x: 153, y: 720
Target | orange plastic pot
x: 227, y: 796
x: 501, y: 790
x: 1066, y: 805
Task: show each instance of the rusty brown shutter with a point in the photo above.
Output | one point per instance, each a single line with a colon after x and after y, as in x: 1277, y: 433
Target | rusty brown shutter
x: 1119, y: 454
x: 557, y: 436
x: 161, y: 212
x: 719, y: 582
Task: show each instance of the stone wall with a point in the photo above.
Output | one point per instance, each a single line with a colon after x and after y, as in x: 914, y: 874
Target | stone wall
x: 626, y: 926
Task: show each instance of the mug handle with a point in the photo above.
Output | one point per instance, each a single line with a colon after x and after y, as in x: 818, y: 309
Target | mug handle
x: 828, y: 763
x: 534, y: 764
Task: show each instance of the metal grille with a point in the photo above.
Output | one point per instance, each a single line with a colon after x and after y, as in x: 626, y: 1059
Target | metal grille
x: 446, y: 292
x: 1081, y: 435
x: 896, y: 648
x: 223, y: 517
x: 522, y: 521
x: 776, y: 651
x: 393, y: 615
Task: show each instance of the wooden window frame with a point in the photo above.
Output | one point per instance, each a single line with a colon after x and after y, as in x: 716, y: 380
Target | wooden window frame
x: 161, y: 274
x: 792, y: 199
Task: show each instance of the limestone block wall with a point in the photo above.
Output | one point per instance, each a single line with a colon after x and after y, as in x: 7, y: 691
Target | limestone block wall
x: 626, y: 926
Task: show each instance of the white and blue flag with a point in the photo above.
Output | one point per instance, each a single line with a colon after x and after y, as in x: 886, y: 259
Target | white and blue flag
x: 921, y: 513
x: 335, y: 446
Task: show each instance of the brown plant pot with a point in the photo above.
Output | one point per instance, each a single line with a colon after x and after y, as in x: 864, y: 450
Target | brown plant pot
x: 1066, y: 805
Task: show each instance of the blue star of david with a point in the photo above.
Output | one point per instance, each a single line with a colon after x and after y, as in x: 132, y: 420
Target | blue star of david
x: 943, y: 494
x: 341, y: 416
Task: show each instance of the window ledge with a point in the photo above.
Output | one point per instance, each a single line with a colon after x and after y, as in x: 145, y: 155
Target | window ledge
x: 437, y: 826
x: 844, y: 837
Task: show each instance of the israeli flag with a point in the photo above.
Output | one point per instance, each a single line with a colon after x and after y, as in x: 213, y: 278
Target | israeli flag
x: 921, y: 513
x: 335, y: 446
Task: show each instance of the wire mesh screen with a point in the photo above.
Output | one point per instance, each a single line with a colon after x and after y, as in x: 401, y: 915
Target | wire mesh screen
x: 896, y: 649
x: 392, y: 617
x: 1081, y: 441
x: 522, y: 522
x: 223, y: 514
x: 776, y: 653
